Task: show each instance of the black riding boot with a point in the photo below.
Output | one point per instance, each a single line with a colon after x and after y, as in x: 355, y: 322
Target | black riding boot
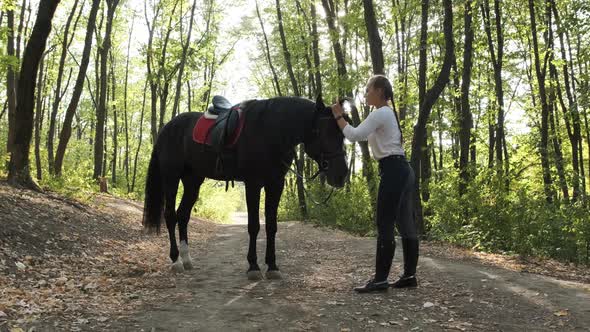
x: 408, y: 279
x: 384, y: 256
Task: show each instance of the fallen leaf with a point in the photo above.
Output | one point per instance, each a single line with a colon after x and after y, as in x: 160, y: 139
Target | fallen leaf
x: 428, y: 305
x: 561, y: 313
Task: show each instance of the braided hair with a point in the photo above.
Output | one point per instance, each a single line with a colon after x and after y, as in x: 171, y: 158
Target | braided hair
x: 381, y: 82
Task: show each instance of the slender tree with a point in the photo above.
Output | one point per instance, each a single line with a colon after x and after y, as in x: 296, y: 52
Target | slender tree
x: 431, y: 95
x: 466, y: 119
x: 541, y: 73
x: 65, y: 44
x: 19, y: 168
x: 286, y: 53
x: 66, y: 131
x: 39, y: 117
x: 497, y: 56
x: 275, y: 78
x: 10, y: 79
x: 125, y: 111
x: 151, y: 75
x: 183, y: 58
x: 99, y: 135
x: 374, y: 38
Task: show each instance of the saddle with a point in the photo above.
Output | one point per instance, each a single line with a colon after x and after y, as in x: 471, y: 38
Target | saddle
x: 219, y: 130
x: 220, y: 104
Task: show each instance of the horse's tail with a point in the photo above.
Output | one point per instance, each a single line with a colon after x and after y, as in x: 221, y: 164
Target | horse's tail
x: 154, y: 196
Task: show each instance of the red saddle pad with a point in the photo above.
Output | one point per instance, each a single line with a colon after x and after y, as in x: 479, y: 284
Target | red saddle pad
x: 201, y: 130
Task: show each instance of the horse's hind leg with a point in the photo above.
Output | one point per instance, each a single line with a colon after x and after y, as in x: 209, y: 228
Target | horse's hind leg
x: 273, y: 192
x: 171, y: 188
x: 191, y: 185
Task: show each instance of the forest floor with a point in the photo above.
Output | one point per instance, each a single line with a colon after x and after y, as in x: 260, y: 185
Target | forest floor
x: 67, y: 265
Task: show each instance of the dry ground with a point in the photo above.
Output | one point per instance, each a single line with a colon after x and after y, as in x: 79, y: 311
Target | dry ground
x: 65, y: 265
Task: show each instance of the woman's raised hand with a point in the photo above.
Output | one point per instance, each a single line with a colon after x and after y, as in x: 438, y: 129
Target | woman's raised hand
x: 337, y: 110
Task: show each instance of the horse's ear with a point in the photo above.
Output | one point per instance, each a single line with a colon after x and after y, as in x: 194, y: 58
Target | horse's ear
x: 319, y: 103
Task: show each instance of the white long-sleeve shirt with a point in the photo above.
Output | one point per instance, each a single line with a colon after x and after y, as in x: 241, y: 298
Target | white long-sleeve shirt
x: 380, y: 128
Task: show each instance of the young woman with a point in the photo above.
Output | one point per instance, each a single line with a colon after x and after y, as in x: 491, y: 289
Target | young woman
x: 396, y: 187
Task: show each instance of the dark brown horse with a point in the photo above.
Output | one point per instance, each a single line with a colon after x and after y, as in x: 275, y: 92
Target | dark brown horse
x: 261, y: 158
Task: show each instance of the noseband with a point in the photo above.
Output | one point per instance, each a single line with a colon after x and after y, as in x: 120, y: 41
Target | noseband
x: 324, y: 157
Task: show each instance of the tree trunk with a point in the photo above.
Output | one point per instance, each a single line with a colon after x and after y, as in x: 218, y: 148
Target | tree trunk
x: 127, y: 180
x: 183, y: 62
x: 115, y: 123
x: 430, y: 96
x: 267, y: 53
x: 547, y: 180
x: 139, y: 138
x: 554, y: 123
x: 553, y: 117
x: 456, y: 124
x: 375, y: 43
x: 497, y: 64
x: 402, y: 19
x: 19, y: 172
x: 99, y: 135
x: 286, y: 53
x: 316, y: 51
x: 150, y: 71
x: 39, y: 119
x: 570, y: 111
x: 65, y: 44
x: 466, y: 119
x: 164, y: 77
x: 19, y: 34
x: 66, y: 131
x: 10, y: 81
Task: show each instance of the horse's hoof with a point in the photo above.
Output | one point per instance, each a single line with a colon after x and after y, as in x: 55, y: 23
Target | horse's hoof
x: 185, y: 256
x: 274, y: 275
x: 188, y: 264
x: 254, y: 275
x: 177, y: 267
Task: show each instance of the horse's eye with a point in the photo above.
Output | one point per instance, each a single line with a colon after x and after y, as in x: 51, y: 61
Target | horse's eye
x: 325, y: 164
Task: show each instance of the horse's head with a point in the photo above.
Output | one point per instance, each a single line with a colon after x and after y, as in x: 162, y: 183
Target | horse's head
x: 326, y: 145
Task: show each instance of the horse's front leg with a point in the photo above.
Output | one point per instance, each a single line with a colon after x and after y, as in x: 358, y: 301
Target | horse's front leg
x: 192, y: 185
x: 273, y: 191
x: 253, y: 202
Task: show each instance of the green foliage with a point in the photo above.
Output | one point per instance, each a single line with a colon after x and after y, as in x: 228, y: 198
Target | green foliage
x: 216, y: 204
x: 348, y: 209
x: 488, y: 217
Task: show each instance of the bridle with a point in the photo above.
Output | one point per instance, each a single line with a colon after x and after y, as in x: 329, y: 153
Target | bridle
x: 324, y: 163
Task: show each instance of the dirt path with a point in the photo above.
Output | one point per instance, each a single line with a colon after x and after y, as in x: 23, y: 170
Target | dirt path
x: 69, y: 266
x: 320, y: 268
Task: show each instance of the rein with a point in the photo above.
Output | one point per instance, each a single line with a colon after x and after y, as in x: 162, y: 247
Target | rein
x: 324, y: 164
x: 307, y: 193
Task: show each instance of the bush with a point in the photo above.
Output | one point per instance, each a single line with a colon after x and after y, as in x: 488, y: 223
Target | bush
x: 349, y: 208
x: 489, y: 217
